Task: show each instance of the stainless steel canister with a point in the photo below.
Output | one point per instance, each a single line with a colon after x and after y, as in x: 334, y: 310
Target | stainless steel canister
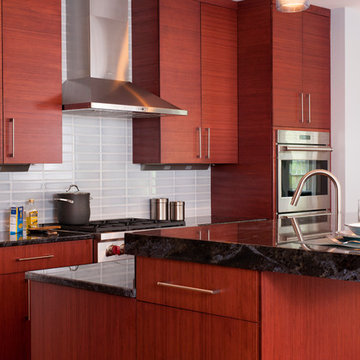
x: 159, y: 209
x: 177, y: 210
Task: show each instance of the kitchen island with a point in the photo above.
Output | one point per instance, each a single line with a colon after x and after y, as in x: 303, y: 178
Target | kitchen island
x: 273, y: 300
x: 221, y: 291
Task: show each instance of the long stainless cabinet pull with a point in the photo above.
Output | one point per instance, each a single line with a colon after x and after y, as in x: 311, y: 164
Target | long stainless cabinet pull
x: 309, y: 108
x: 12, y: 120
x: 36, y: 258
x: 29, y: 300
x: 208, y: 143
x: 308, y: 148
x: 187, y: 288
x: 200, y: 144
x: 302, y: 107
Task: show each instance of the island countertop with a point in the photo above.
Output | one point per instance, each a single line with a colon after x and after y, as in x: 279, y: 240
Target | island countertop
x: 254, y: 245
x: 113, y: 277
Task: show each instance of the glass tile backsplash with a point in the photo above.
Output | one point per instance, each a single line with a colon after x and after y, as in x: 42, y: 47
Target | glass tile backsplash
x: 97, y: 156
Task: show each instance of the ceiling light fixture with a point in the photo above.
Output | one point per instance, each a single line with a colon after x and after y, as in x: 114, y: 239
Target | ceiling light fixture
x: 289, y: 6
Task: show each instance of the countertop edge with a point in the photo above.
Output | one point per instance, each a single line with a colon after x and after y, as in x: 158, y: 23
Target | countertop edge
x: 80, y: 284
x: 251, y: 257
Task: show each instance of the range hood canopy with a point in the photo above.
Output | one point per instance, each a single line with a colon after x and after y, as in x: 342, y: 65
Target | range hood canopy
x: 98, y: 66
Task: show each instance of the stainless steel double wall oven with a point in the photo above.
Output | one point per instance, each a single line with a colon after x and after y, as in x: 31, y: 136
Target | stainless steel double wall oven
x: 297, y: 153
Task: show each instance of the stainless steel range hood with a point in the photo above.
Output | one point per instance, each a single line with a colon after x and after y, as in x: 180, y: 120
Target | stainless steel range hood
x: 98, y: 64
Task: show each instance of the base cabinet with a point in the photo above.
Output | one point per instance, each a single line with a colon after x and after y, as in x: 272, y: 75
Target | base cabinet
x: 76, y: 324
x: 309, y: 318
x: 168, y: 333
x: 14, y: 309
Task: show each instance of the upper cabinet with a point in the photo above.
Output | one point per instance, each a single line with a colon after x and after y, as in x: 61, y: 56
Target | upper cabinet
x: 31, y: 82
x: 301, y: 69
x: 219, y: 83
x: 185, y: 52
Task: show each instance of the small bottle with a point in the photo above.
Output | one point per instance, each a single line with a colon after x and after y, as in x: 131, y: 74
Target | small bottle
x: 31, y: 215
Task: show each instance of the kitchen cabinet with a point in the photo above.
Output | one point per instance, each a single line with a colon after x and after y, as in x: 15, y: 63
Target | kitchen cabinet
x: 301, y: 70
x: 14, y: 262
x: 187, y: 310
x: 169, y: 333
x: 309, y: 318
x: 185, y: 52
x: 219, y: 83
x: 276, y: 63
x: 31, y: 82
x: 85, y: 324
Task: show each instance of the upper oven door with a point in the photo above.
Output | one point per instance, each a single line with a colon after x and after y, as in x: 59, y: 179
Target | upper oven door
x: 294, y: 161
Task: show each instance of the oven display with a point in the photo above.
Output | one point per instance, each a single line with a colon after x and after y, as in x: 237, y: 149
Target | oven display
x: 305, y: 137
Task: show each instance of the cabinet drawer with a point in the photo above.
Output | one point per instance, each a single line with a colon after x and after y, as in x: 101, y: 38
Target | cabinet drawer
x: 206, y: 288
x: 168, y: 333
x: 41, y: 256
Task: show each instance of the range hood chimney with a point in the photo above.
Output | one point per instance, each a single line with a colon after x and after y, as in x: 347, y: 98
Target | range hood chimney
x: 98, y: 64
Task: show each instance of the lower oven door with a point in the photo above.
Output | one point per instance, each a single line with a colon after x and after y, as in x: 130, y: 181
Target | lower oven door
x: 294, y: 161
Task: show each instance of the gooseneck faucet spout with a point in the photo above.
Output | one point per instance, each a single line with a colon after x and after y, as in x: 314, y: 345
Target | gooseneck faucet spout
x: 296, y: 196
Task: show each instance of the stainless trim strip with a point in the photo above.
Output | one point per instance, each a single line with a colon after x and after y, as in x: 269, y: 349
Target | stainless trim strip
x: 29, y: 300
x: 200, y: 143
x: 96, y: 106
x: 308, y: 148
x: 309, y: 108
x: 302, y: 108
x: 187, y: 288
x: 208, y: 144
x: 36, y: 258
x: 13, y: 137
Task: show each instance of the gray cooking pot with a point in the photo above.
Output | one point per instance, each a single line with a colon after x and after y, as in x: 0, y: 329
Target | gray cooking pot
x: 73, y: 208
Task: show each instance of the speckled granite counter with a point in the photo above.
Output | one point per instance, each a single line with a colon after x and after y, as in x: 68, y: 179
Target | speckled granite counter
x: 112, y: 277
x: 253, y: 245
x: 22, y: 239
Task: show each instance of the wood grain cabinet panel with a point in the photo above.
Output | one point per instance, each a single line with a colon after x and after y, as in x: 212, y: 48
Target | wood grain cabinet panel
x: 186, y: 52
x: 236, y: 291
x: 31, y: 35
x: 219, y: 84
x: 15, y: 325
x: 43, y: 256
x: 166, y: 61
x: 309, y: 318
x: 77, y: 324
x: 316, y: 69
x: 301, y: 69
x: 167, y: 333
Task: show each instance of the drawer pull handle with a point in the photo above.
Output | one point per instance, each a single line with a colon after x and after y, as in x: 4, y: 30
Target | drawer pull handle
x: 188, y: 288
x: 35, y: 258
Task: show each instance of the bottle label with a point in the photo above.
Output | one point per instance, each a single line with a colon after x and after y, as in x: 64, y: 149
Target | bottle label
x: 32, y: 219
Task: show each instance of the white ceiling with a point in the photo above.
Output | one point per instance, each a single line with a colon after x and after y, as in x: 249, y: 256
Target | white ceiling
x: 333, y: 4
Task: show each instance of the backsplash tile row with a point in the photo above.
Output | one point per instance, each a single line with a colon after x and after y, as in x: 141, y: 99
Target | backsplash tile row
x: 97, y: 156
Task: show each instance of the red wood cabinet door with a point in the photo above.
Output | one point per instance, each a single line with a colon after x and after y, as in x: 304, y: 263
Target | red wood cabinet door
x: 309, y: 318
x: 316, y: 69
x: 32, y: 81
x: 14, y: 329
x: 168, y: 333
x: 288, y: 96
x: 219, y: 84
x: 179, y: 33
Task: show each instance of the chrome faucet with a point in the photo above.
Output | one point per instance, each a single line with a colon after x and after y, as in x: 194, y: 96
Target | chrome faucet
x: 296, y: 196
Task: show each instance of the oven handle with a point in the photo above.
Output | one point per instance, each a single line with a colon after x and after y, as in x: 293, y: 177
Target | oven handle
x: 308, y: 148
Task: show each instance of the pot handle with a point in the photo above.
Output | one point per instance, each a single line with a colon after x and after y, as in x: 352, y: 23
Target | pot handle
x: 65, y: 200
x: 73, y: 185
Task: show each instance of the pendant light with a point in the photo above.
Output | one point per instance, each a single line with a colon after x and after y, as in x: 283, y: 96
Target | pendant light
x: 289, y: 6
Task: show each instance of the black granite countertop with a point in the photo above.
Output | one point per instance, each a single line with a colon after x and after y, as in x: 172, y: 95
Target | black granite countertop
x: 264, y: 245
x: 112, y: 277
x: 25, y: 239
